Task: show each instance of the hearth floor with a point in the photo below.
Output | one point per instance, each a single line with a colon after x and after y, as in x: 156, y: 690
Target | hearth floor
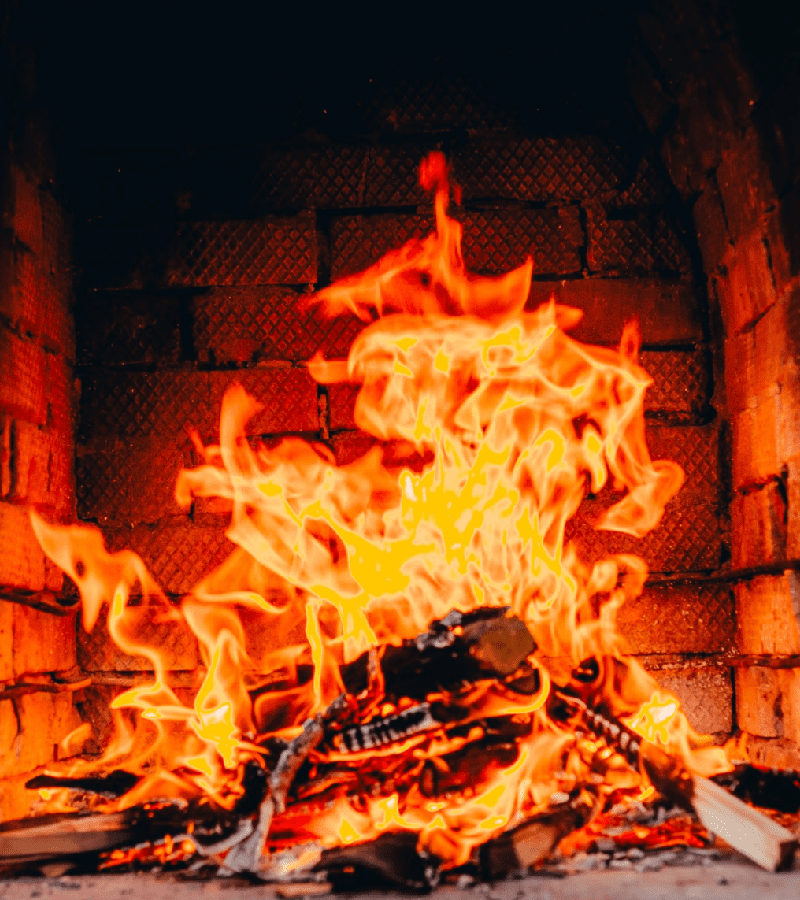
x: 731, y: 880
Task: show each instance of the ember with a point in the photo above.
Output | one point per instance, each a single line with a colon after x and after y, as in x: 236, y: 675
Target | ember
x: 445, y: 677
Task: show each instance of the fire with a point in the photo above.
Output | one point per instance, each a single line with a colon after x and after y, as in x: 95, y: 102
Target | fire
x: 506, y: 424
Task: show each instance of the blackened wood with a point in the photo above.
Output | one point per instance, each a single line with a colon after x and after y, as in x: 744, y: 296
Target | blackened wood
x: 768, y: 788
x: 456, y: 651
x: 393, y: 856
x: 114, y: 784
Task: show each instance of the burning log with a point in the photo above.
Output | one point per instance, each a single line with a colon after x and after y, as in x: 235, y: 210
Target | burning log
x: 750, y: 832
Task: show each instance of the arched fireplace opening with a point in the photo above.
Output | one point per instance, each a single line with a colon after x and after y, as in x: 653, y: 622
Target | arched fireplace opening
x: 142, y: 277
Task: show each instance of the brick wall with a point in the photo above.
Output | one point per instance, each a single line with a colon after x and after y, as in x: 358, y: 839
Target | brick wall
x: 194, y: 263
x: 724, y: 114
x: 37, y: 421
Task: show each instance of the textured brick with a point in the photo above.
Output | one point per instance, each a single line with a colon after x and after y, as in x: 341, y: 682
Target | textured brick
x: 392, y: 175
x: 23, y: 378
x: 689, y: 536
x: 540, y: 169
x: 177, y: 555
x: 340, y: 176
x: 679, y: 393
x: 793, y: 511
x: 768, y: 702
x: 244, y: 325
x: 342, y: 399
x: 639, y: 242
x: 759, y: 522
x: 319, y: 177
x: 647, y: 187
x: 42, y: 642
x: 418, y: 106
x: 706, y: 696
x: 126, y: 404
x: 668, y: 311
x: 131, y: 482
x: 497, y: 241
x: 265, y: 251
x: 22, y: 563
x: 288, y: 397
x: 680, y: 619
x: 147, y: 625
x: 493, y: 242
x: 350, y: 445
x: 359, y: 241
x: 766, y: 614
x: 120, y: 328
x: 681, y: 388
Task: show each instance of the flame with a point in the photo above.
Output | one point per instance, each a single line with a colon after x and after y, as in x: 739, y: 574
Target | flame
x: 504, y: 424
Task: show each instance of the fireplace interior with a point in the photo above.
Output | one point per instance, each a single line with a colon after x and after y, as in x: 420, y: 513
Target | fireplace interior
x: 163, y: 230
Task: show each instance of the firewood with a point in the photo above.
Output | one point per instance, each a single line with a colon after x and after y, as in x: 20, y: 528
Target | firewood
x: 746, y: 829
x: 456, y: 651
x: 66, y: 835
x: 768, y: 788
x: 393, y: 856
x: 534, y: 841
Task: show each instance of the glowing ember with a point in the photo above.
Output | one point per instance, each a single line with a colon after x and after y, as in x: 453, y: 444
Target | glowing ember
x: 506, y: 424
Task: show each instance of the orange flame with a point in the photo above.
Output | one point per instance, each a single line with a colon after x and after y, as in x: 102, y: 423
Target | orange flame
x: 514, y: 422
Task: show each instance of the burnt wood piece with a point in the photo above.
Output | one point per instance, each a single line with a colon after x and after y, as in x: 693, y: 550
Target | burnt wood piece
x: 393, y: 857
x: 768, y: 788
x: 753, y: 834
x: 114, y: 784
x: 67, y: 835
x: 534, y: 841
x: 455, y: 652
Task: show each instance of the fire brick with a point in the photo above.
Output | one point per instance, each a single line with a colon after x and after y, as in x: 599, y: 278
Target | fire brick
x: 679, y: 619
x: 144, y: 625
x: 744, y: 183
x: 127, y: 404
x: 288, y: 397
x: 765, y: 614
x: 42, y: 642
x: 759, y: 518
x: 30, y: 463
x: 120, y: 328
x: 56, y: 255
x: 768, y: 702
x: 764, y: 357
x: 747, y: 288
x: 710, y: 224
x: 639, y: 242
x: 176, y: 555
x: 6, y: 641
x: 22, y: 563
x: 540, y: 169
x: 243, y: 325
x: 23, y: 378
x: 359, y: 241
x: 668, y: 311
x: 499, y: 240
x: 679, y: 393
x: 22, y: 211
x: 756, y: 440
x: 131, y: 482
x: 706, y: 696
x: 265, y: 251
x: 44, y: 720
